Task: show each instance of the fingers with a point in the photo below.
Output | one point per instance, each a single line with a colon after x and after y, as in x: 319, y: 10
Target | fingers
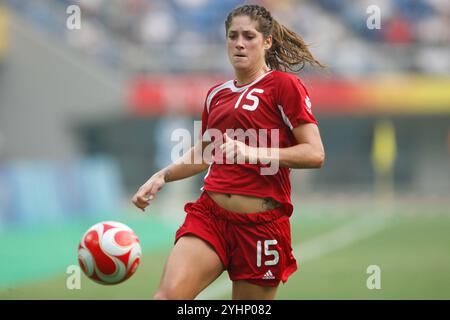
x: 141, y: 201
x: 147, y: 193
x: 229, y: 149
x: 231, y: 153
x: 233, y: 149
x: 227, y: 138
x: 142, y: 198
x: 228, y: 145
x: 148, y: 198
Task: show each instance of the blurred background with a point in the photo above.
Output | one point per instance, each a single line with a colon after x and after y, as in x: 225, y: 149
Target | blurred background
x: 86, y: 116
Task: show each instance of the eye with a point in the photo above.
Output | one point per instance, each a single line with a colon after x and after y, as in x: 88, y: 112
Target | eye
x: 250, y: 36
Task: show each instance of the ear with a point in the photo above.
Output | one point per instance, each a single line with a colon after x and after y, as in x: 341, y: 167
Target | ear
x: 268, y: 42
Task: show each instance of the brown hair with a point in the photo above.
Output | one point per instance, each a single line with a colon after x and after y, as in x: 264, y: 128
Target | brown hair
x: 288, y: 52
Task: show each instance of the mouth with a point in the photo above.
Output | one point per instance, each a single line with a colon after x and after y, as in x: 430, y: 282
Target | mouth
x: 240, y: 56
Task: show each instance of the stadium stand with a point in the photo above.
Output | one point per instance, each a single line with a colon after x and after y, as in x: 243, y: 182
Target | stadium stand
x: 413, y: 33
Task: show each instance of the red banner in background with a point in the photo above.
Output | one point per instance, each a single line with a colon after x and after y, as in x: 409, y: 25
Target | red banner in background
x: 164, y: 94
x: 169, y: 94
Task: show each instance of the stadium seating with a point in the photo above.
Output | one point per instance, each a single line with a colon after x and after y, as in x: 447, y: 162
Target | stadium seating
x: 412, y: 33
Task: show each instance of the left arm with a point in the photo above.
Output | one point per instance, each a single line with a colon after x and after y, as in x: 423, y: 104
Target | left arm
x: 307, y: 153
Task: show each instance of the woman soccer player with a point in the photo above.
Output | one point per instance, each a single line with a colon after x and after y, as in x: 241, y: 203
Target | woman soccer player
x: 240, y: 223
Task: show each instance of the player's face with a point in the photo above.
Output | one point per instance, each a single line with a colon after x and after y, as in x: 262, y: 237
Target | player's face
x: 246, y: 45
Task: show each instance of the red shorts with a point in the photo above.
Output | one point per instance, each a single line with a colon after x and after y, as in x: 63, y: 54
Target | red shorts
x: 255, y: 247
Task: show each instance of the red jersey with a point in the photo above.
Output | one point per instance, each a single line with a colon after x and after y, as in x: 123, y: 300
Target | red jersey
x: 276, y: 100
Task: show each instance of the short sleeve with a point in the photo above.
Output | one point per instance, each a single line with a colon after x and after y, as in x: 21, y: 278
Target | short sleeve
x: 204, y: 122
x: 293, y: 102
x: 205, y: 115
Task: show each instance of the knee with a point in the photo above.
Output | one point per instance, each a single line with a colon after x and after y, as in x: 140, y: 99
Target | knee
x: 168, y: 294
x: 160, y: 295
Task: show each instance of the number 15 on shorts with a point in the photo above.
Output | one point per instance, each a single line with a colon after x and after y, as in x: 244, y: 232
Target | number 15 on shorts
x: 268, y: 253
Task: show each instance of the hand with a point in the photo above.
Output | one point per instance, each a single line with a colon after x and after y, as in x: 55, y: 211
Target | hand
x: 148, y: 190
x: 237, y: 150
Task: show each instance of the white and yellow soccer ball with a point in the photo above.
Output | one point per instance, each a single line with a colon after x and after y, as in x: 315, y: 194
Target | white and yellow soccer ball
x: 109, y: 252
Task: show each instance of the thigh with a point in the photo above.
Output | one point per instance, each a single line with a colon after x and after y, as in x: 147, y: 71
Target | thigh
x: 243, y: 290
x: 192, y: 265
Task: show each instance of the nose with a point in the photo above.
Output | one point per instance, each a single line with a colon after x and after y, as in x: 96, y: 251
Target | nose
x: 239, y: 43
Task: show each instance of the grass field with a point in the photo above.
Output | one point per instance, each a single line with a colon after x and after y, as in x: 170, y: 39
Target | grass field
x: 334, y: 244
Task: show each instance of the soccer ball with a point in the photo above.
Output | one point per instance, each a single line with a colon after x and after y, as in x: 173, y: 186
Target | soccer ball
x: 109, y: 252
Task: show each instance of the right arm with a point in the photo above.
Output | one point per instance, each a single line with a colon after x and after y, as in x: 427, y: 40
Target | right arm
x: 190, y: 164
x: 184, y: 167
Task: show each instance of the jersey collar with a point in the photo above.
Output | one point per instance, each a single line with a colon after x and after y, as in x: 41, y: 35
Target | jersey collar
x: 243, y: 88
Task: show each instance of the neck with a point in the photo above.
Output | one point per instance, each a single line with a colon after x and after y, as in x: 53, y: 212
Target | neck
x: 244, y: 77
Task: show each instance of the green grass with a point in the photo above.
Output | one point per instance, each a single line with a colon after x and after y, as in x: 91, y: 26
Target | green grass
x: 412, y: 250
x: 413, y: 254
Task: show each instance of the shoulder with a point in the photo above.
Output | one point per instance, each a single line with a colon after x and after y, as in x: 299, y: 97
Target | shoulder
x: 214, y: 90
x: 285, y: 81
x: 284, y: 76
x: 214, y: 87
x: 219, y: 86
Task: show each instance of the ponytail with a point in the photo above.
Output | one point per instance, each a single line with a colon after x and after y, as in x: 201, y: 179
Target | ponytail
x: 289, y: 51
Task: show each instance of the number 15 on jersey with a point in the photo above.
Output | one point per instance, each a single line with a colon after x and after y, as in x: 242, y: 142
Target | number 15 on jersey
x: 267, y: 253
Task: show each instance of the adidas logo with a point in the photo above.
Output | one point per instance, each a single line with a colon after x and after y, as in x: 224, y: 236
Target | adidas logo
x: 268, y: 275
